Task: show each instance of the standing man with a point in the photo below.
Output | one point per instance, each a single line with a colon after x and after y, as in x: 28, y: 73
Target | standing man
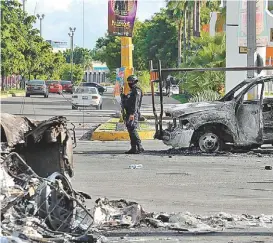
x: 131, y: 104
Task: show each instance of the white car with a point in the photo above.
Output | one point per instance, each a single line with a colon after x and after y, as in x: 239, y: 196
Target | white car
x: 174, y: 89
x: 86, y: 97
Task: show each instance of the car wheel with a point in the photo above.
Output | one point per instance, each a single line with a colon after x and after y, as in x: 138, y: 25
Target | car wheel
x: 209, y: 142
x: 101, y: 106
x: 27, y: 95
x: 74, y: 107
x: 45, y: 95
x: 97, y: 107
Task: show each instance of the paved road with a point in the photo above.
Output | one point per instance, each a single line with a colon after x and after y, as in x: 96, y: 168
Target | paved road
x: 236, y: 184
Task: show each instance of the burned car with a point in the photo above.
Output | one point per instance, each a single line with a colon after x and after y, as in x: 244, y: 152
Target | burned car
x: 242, y: 118
x: 46, y: 146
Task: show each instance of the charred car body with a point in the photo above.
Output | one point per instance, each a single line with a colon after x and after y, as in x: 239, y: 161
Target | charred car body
x: 243, y: 117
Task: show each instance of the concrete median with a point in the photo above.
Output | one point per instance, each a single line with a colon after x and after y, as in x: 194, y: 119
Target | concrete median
x: 109, y: 132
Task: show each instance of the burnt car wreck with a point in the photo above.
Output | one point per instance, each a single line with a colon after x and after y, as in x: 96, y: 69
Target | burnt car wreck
x: 243, y: 118
x: 239, y: 118
x: 46, y: 146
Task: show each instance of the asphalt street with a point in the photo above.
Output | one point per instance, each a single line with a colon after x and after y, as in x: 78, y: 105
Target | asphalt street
x: 205, y: 185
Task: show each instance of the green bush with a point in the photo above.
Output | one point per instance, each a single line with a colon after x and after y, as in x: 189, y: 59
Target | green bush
x: 144, y: 81
x: 206, y: 95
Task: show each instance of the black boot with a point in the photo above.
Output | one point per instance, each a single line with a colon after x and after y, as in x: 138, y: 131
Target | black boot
x: 140, y: 148
x: 133, y: 150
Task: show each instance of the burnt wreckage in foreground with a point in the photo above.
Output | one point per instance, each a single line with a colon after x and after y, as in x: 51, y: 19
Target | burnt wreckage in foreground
x: 237, y: 119
x: 46, y: 146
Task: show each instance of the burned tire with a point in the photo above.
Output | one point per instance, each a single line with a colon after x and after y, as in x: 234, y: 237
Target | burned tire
x: 55, y: 207
x: 209, y: 142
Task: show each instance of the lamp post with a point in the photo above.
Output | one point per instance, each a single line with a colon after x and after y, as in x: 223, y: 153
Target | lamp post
x: 24, y: 5
x: 40, y: 17
x: 71, y: 35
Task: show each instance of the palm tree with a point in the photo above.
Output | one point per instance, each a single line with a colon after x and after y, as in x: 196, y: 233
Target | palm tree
x: 179, y: 13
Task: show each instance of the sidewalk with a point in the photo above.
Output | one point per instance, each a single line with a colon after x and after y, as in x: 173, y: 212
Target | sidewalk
x: 13, y: 93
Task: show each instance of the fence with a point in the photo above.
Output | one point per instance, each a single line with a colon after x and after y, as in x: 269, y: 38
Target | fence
x: 11, y: 82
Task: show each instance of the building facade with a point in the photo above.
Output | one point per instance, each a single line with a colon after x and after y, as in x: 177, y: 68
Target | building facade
x: 58, y: 45
x: 97, y: 74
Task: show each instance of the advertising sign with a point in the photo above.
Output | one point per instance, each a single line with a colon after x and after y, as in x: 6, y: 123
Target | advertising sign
x: 121, y: 17
x: 120, y: 75
x: 261, y: 24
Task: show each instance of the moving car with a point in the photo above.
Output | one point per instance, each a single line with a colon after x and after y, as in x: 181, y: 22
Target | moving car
x: 86, y: 97
x: 54, y: 86
x: 36, y: 87
x: 100, y: 88
x: 243, y: 118
x: 67, y: 86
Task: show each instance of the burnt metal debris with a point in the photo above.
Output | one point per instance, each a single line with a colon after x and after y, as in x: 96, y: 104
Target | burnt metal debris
x: 232, y: 121
x: 41, y: 209
x: 50, y: 142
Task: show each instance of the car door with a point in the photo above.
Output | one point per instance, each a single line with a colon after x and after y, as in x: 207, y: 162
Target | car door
x: 249, y: 115
x: 268, y: 111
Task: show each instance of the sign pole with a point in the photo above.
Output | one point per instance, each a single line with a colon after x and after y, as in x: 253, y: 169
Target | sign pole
x: 251, y: 40
x: 126, y: 60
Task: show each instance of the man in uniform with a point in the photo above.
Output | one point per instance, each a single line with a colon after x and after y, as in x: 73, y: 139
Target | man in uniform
x: 131, y: 104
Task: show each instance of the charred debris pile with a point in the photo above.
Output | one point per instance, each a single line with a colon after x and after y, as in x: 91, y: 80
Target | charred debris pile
x: 39, y: 204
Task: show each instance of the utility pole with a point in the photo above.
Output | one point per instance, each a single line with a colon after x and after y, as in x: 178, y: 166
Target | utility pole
x: 40, y: 17
x: 251, y: 36
x: 71, y: 34
x: 251, y: 41
x: 24, y: 5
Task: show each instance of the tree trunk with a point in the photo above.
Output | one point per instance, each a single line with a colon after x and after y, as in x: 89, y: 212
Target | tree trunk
x: 194, y: 19
x: 179, y: 43
x: 184, y: 34
x: 198, y: 18
x: 189, y: 28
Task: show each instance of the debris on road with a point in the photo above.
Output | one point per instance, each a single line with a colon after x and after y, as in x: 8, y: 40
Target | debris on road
x: 50, y: 210
x: 48, y: 142
x: 268, y: 167
x: 40, y: 209
x: 135, y: 166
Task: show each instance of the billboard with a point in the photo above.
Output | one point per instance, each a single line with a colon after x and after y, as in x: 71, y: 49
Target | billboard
x: 121, y: 17
x: 120, y: 75
x: 261, y: 24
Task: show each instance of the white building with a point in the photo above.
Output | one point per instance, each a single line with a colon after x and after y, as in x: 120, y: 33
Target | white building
x: 97, y: 74
x: 236, y: 37
x: 58, y: 45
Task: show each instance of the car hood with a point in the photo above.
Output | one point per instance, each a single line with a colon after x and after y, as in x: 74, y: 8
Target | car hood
x: 191, y: 108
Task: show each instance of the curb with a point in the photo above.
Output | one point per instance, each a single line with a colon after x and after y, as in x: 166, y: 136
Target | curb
x: 5, y: 96
x: 13, y: 94
x: 21, y: 94
x: 101, y: 134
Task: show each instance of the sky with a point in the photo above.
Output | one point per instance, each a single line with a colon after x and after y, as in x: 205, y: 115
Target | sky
x: 62, y: 14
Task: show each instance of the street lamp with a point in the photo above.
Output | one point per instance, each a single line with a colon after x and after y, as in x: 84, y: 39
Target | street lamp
x: 24, y: 5
x: 40, y: 17
x: 71, y: 35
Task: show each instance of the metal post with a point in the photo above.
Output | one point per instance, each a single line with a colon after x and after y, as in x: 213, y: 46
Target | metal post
x: 40, y: 17
x: 251, y: 36
x: 161, y: 98
x: 71, y: 34
x: 153, y: 96
x: 24, y: 5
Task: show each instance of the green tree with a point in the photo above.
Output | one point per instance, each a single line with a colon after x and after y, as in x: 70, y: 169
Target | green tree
x: 211, y: 52
x: 77, y: 73
x: 107, y: 50
x: 81, y: 56
x: 23, y: 51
